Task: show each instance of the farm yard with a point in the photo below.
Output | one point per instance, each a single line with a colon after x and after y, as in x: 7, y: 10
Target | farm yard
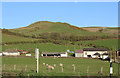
x: 83, y: 67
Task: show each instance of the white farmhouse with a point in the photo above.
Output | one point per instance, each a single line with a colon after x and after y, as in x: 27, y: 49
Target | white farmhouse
x: 94, y: 52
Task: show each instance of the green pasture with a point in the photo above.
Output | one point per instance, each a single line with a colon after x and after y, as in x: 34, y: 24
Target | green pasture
x: 110, y: 43
x: 11, y: 38
x: 44, y: 47
x: 81, y: 66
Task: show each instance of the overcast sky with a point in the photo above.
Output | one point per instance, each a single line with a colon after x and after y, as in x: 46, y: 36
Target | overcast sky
x: 81, y: 14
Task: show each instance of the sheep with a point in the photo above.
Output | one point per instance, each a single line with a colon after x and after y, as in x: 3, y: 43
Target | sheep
x: 61, y: 65
x: 54, y: 65
x: 46, y: 64
x: 50, y: 67
x: 43, y: 63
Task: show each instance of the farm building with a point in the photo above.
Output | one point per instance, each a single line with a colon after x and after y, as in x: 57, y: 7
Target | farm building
x: 11, y: 52
x: 118, y: 53
x: 104, y: 56
x: 22, y: 51
x: 0, y: 54
x: 59, y: 54
x: 94, y: 52
x: 78, y: 53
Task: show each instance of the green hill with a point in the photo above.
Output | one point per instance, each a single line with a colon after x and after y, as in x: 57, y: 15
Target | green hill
x: 48, y: 27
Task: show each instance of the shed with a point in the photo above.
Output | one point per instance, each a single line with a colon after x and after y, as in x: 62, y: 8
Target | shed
x: 59, y: 54
x: 78, y: 53
x: 91, y: 52
x: 11, y: 52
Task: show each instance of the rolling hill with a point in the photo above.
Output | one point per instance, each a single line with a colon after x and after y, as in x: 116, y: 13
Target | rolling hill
x: 44, y: 26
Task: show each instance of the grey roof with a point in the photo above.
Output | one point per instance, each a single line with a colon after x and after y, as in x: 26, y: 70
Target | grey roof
x: 53, y: 52
x: 95, y: 49
x: 11, y: 50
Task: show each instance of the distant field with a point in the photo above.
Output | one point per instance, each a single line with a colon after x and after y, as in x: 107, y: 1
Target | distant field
x: 44, y: 47
x: 81, y: 66
x: 11, y: 38
x: 111, y: 43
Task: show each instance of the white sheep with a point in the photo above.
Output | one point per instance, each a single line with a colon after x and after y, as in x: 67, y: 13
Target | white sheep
x: 54, y: 65
x: 50, y: 67
x: 61, y: 64
x: 43, y: 63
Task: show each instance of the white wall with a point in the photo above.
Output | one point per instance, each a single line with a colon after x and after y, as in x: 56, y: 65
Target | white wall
x: 11, y: 53
x: 78, y: 54
x: 93, y: 52
x: 64, y: 55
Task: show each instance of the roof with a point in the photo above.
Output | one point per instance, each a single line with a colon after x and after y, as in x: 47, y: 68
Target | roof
x: 78, y: 51
x: 11, y: 50
x: 22, y: 51
x: 53, y: 52
x: 95, y: 49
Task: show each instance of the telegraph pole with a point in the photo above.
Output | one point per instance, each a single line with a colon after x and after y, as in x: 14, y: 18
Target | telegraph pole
x: 37, y: 57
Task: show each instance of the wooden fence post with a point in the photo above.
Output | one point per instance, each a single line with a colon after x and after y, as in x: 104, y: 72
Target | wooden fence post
x: 28, y: 75
x: 14, y: 67
x: 4, y: 66
x: 26, y: 68
x: 87, y: 69
x: 101, y: 70
x: 62, y: 68
x: 73, y: 67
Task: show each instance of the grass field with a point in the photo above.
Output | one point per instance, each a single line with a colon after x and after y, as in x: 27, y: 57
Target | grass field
x: 80, y: 64
x: 11, y: 38
x: 111, y: 43
x: 44, y: 47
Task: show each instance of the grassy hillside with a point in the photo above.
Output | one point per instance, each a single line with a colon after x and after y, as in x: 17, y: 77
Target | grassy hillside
x: 44, y: 47
x: 45, y: 26
x: 110, y: 43
x: 12, y: 38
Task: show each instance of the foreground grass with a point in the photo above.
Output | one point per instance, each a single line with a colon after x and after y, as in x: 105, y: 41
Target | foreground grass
x: 81, y: 66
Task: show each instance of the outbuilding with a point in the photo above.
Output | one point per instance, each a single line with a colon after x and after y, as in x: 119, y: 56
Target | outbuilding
x: 92, y: 52
x: 78, y: 53
x: 11, y: 52
x: 58, y: 54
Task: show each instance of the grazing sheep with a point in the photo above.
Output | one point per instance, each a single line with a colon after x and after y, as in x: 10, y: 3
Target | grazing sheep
x: 61, y: 64
x: 54, y: 65
x: 50, y: 67
x: 43, y: 63
x: 46, y: 64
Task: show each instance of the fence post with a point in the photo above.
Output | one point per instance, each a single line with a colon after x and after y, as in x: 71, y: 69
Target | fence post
x: 26, y: 68
x: 101, y: 69
x: 14, y: 67
x: 87, y: 69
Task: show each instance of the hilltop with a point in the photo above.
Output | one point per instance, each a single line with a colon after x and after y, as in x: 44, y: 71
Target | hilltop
x: 40, y: 27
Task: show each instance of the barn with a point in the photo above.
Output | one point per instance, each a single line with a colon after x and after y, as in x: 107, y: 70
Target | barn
x: 58, y: 54
x: 94, y: 52
x: 78, y: 53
